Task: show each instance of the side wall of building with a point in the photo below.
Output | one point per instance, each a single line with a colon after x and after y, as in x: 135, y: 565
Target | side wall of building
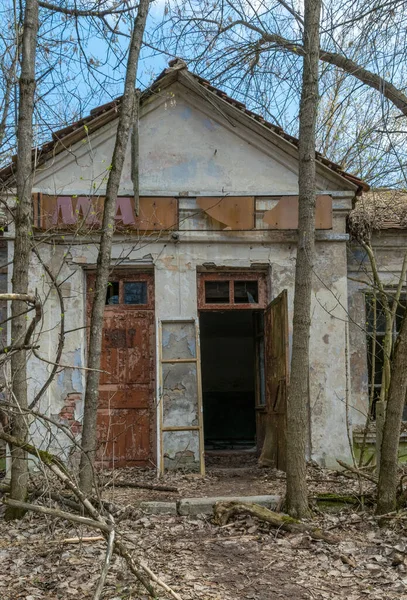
x: 389, y: 248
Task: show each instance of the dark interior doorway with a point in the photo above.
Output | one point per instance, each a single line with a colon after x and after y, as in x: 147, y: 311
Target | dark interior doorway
x: 228, y: 379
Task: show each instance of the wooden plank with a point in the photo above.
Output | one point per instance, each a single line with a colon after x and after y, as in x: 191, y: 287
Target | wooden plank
x: 200, y: 401
x: 165, y: 394
x: 178, y: 360
x: 235, y: 212
x: 180, y: 428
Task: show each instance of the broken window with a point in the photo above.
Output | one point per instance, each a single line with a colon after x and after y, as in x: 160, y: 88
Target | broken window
x: 135, y: 292
x: 246, y: 292
x: 112, y: 293
x: 217, y: 292
x: 232, y: 290
x: 376, y: 331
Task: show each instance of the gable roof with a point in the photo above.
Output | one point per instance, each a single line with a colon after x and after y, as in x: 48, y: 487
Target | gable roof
x: 100, y: 116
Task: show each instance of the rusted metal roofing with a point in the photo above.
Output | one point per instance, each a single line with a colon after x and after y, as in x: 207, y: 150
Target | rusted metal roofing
x: 101, y: 115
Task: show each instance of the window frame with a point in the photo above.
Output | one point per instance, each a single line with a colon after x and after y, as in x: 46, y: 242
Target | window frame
x: 232, y: 277
x: 122, y: 278
x: 379, y: 334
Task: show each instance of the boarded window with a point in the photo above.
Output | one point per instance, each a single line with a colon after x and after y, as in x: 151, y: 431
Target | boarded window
x: 236, y: 213
x: 284, y: 215
x: 72, y: 212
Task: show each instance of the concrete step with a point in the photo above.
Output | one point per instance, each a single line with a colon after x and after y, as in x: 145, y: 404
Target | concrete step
x: 203, y: 506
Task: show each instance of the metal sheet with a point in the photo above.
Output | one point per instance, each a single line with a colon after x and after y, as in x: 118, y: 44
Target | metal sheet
x: 70, y: 212
x: 285, y: 214
x: 237, y: 213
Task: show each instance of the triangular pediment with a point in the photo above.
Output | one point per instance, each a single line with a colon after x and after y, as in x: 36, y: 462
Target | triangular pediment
x: 188, y: 146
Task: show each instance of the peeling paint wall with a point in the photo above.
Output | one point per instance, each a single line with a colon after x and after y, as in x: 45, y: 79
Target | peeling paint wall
x: 63, y: 400
x: 175, y: 270
x: 185, y: 146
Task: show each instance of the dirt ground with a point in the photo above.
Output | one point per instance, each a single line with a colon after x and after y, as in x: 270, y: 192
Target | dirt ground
x: 201, y: 561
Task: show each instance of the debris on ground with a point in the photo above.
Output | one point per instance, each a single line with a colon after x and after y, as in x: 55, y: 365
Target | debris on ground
x: 43, y: 559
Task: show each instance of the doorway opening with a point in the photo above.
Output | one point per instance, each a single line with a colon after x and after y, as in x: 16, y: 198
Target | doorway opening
x: 228, y: 361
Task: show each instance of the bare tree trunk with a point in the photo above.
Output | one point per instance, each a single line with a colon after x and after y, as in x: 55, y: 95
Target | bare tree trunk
x: 21, y: 261
x: 297, y: 497
x: 387, y: 488
x: 103, y: 262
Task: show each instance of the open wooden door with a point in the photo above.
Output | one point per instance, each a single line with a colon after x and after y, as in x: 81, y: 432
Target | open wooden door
x: 277, y: 375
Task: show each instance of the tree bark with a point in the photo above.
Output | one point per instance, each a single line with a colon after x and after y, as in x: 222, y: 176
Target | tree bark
x: 22, y: 245
x: 387, y: 488
x: 103, y: 262
x: 297, y: 423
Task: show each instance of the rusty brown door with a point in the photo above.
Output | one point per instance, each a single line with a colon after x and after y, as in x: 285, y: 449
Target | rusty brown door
x: 277, y: 375
x: 126, y: 392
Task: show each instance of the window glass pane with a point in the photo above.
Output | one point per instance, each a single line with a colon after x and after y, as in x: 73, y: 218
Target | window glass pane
x: 217, y: 292
x: 112, y: 292
x: 380, y: 314
x: 246, y: 292
x: 135, y: 292
x: 401, y: 308
x: 380, y: 329
x: 378, y: 356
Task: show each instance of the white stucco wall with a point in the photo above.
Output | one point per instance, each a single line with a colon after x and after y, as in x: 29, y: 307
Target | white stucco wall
x: 185, y: 147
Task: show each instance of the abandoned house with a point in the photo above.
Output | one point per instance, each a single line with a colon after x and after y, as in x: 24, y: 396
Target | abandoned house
x: 198, y: 317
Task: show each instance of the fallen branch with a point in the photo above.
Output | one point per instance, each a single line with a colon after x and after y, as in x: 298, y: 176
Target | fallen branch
x: 39, y: 493
x: 106, y: 564
x: 59, y: 514
x: 81, y: 540
x: 357, y: 472
x: 223, y: 511
x: 342, y: 499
